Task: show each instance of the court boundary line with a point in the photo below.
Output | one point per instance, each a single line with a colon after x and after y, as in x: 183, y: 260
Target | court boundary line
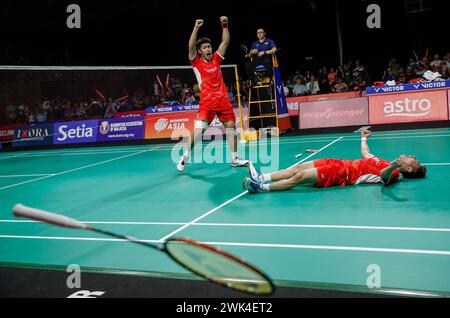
x: 222, y: 144
x: 260, y: 225
x: 25, y: 175
x: 76, y: 169
x: 265, y: 245
x: 240, y: 195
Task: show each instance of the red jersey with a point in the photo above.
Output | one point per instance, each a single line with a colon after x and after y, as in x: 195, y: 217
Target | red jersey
x: 209, y: 77
x: 369, y: 171
x: 342, y: 172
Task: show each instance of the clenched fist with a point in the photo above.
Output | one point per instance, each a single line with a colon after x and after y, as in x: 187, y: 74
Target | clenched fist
x: 199, y: 23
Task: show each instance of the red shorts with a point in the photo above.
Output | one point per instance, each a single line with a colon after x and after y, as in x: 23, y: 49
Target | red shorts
x: 220, y: 107
x: 330, y: 172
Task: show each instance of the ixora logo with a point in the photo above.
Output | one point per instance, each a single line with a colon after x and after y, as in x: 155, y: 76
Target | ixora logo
x: 32, y: 133
x: 407, y: 108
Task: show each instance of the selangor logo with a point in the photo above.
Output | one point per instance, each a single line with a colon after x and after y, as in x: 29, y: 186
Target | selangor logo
x: 161, y: 124
x: 104, y: 127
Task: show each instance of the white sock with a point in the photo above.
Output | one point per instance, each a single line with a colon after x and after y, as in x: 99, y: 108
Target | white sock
x: 234, y: 155
x: 265, y: 187
x: 187, y: 153
x: 267, y: 177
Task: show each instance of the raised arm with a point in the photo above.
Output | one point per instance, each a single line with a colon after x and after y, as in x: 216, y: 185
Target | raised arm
x: 193, y: 39
x: 225, y: 37
x: 365, y: 150
x: 386, y: 174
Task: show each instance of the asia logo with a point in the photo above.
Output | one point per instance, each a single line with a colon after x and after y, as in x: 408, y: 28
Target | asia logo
x: 104, y: 127
x: 407, y: 108
x: 161, y: 124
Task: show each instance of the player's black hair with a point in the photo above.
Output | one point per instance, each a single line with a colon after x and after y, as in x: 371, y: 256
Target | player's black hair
x: 419, y: 174
x: 201, y: 41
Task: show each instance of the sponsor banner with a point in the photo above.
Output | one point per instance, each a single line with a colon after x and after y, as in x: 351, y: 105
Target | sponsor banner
x: 168, y: 125
x: 334, y: 113
x: 121, y: 129
x: 33, y: 135
x: 408, y: 87
x: 281, y: 100
x: 293, y: 104
x: 170, y: 109
x: 411, y: 107
x: 7, y: 131
x: 313, y: 98
x: 75, y: 132
x: 448, y: 99
x: 134, y: 113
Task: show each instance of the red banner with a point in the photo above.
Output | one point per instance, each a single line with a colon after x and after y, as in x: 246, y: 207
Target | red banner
x: 408, y: 107
x: 448, y: 99
x: 334, y: 113
x: 7, y: 131
x: 169, y: 125
x: 293, y: 104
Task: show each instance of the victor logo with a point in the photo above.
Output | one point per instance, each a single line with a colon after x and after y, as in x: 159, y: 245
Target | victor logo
x: 407, y: 107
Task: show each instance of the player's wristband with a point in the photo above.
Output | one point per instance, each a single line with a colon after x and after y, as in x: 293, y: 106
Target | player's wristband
x: 364, y: 139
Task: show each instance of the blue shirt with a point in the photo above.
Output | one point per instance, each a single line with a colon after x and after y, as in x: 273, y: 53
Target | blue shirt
x: 267, y: 45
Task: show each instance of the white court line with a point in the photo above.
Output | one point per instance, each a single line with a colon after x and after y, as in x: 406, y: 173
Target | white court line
x: 437, y: 164
x: 76, y: 169
x: 289, y: 140
x: 26, y: 175
x: 310, y: 226
x: 236, y: 197
x: 288, y: 246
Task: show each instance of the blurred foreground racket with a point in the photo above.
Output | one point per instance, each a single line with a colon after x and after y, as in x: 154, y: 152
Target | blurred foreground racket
x: 206, y: 261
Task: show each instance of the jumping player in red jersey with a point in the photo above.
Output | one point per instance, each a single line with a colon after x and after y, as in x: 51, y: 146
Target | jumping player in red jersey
x: 213, y: 93
x: 325, y: 173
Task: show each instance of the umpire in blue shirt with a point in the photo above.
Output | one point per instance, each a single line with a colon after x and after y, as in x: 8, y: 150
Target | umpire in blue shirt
x: 261, y: 53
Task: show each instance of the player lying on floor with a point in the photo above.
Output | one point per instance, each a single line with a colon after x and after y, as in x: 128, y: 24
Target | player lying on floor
x: 325, y: 173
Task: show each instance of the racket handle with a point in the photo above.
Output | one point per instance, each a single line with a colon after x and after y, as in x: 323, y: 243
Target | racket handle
x: 20, y: 210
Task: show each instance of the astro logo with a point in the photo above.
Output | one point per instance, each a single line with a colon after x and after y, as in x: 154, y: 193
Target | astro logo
x: 407, y: 108
x: 161, y: 124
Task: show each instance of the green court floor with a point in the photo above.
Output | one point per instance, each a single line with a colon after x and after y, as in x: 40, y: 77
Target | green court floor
x: 326, y: 238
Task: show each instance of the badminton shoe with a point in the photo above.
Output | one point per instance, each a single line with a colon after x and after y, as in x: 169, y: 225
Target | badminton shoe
x: 182, y: 163
x: 254, y: 174
x: 239, y: 162
x: 251, y: 186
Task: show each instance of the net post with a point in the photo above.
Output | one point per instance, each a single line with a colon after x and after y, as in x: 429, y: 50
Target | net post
x: 238, y: 91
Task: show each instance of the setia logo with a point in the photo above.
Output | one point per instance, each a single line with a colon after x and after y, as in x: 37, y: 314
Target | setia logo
x: 104, y: 127
x: 73, y: 133
x: 407, y: 108
x: 35, y: 133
